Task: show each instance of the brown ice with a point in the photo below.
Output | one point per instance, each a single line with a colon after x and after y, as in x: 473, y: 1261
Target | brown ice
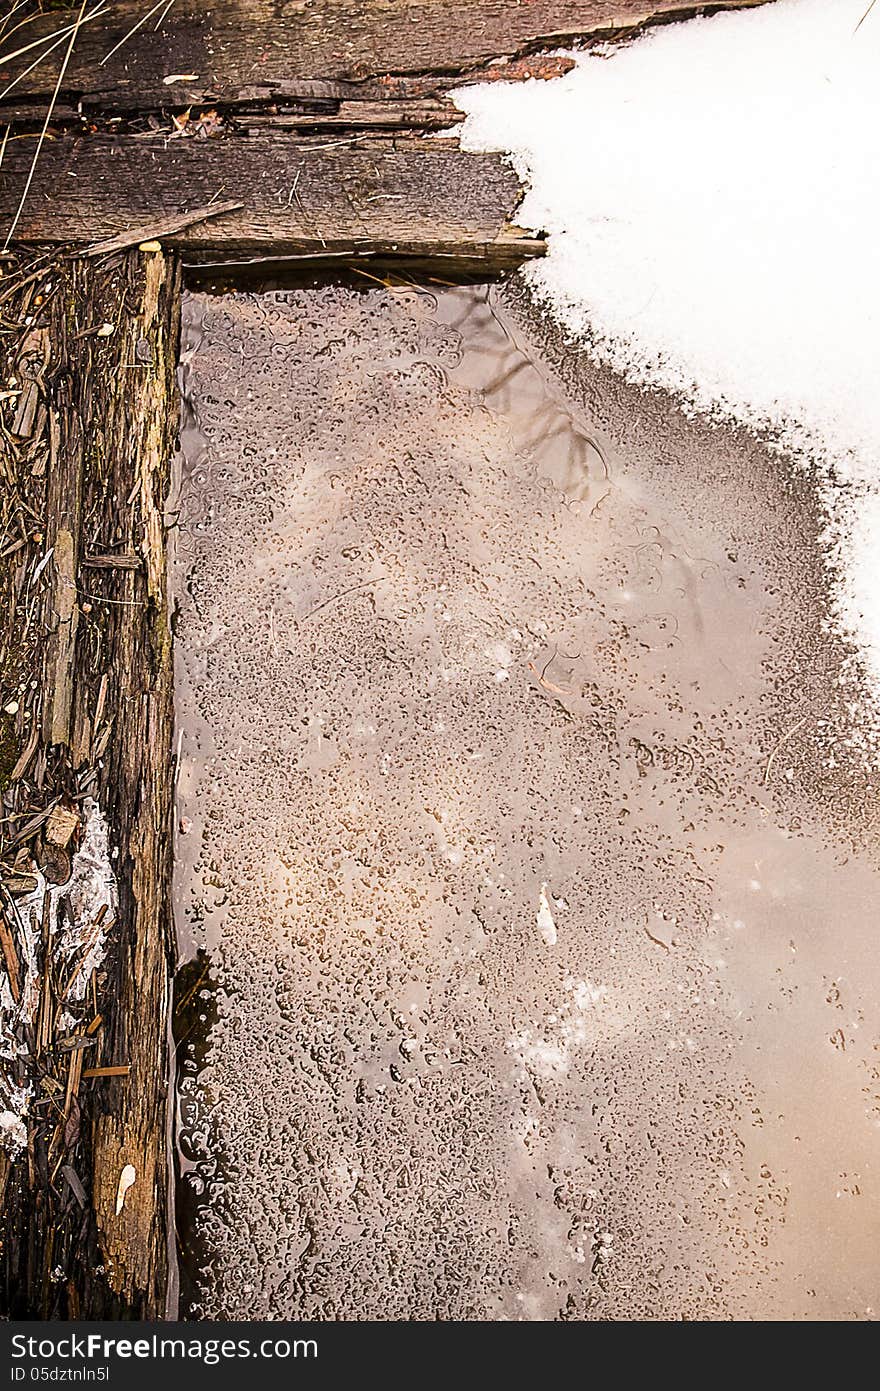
x: 522, y: 826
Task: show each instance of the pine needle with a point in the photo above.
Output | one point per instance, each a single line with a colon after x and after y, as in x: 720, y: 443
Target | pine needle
x: 32, y: 170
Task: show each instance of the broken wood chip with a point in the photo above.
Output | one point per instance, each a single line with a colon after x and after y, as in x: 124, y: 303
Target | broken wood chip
x: 71, y: 1178
x: 10, y: 957
x: 60, y: 827
x: 71, y: 1042
x: 55, y: 864
x: 121, y: 561
x: 71, y: 1123
x: 126, y: 1179
x: 20, y: 885
x: 26, y: 756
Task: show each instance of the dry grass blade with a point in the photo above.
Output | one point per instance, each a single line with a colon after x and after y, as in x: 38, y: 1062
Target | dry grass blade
x: 11, y: 15
x: 134, y: 28
x: 864, y: 16
x: 51, y: 108
x: 22, y: 23
x: 95, y: 14
x: 57, y: 35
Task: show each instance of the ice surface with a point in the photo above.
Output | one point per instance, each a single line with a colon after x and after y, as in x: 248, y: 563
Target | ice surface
x: 410, y: 1104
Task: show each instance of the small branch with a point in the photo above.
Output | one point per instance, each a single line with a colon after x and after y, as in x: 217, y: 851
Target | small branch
x: 164, y: 227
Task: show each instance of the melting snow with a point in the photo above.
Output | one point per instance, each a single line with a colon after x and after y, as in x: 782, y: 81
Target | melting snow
x: 712, y: 195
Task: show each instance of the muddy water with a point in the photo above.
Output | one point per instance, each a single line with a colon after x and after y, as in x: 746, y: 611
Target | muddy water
x: 521, y: 830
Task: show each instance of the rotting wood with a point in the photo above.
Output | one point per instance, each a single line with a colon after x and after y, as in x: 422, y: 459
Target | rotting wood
x: 244, y: 51
x: 406, y: 199
x: 374, y: 75
x: 90, y: 483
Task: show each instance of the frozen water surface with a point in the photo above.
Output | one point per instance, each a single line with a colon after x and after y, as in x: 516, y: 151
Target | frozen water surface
x: 520, y: 826
x: 712, y: 193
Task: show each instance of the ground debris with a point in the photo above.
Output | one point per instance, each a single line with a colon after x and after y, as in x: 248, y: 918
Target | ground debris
x: 74, y: 512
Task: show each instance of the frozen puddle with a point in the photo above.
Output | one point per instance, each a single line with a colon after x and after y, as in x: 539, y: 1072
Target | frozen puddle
x: 519, y: 825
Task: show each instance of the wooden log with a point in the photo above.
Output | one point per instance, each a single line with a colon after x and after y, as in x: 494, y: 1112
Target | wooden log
x: 420, y: 200
x: 85, y: 657
x: 230, y: 51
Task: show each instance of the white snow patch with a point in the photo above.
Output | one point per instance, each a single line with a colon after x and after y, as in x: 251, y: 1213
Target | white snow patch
x: 13, y: 1127
x: 582, y: 1019
x: 543, y: 1056
x: 712, y: 196
x: 80, y: 915
x: 91, y: 896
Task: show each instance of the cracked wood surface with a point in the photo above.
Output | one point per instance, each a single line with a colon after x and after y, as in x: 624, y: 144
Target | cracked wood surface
x: 247, y: 50
x: 423, y: 200
x: 321, y: 117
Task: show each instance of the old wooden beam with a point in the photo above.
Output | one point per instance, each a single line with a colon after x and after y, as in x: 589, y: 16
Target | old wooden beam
x: 85, y: 664
x: 232, y: 51
x: 418, y: 200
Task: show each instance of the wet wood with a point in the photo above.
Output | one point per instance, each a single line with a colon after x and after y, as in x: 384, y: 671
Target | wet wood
x: 423, y: 201
x: 234, y: 51
x: 85, y: 650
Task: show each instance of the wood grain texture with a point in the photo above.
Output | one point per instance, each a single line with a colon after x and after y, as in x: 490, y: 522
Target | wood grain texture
x: 424, y: 200
x: 252, y: 49
x: 91, y: 651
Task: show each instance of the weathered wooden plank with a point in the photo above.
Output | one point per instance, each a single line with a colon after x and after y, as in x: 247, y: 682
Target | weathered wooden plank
x: 239, y: 50
x: 85, y: 661
x: 423, y: 200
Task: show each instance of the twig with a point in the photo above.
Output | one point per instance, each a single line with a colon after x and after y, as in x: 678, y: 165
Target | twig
x: 155, y: 231
x: 95, y: 14
x: 162, y: 15
x: 51, y: 108
x: 341, y: 595
x: 6, y: 18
